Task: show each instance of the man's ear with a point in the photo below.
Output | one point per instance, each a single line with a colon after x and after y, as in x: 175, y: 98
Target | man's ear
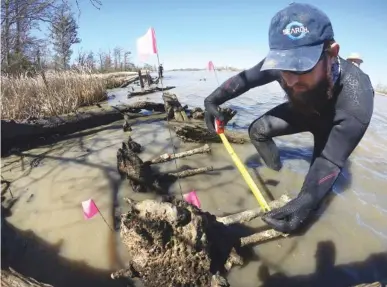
x: 334, y: 49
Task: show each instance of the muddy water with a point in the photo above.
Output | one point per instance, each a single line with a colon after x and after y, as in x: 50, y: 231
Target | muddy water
x: 346, y: 245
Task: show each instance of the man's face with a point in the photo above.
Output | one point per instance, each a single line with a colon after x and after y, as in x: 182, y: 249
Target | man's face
x: 308, y: 90
x: 356, y: 62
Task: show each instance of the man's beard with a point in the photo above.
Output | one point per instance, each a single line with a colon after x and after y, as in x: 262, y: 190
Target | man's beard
x: 310, y: 101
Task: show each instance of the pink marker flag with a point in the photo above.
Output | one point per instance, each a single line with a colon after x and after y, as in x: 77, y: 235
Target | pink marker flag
x: 211, y: 66
x: 192, y: 198
x: 147, y: 45
x: 89, y: 208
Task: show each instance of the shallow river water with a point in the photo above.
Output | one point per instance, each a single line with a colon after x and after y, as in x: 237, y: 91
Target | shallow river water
x: 345, y: 246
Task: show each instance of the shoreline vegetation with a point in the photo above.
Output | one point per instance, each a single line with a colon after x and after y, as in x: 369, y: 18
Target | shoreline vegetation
x: 55, y: 93
x: 232, y: 69
x: 382, y: 90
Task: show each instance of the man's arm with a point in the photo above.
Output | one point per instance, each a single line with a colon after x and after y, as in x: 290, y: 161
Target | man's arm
x: 350, y: 123
x: 343, y: 139
x: 241, y: 83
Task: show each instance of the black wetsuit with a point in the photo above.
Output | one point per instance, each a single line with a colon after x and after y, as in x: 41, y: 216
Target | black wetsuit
x: 337, y: 129
x: 161, y: 69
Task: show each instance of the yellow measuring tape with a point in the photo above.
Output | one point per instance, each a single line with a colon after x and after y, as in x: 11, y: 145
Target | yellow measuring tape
x: 261, y: 200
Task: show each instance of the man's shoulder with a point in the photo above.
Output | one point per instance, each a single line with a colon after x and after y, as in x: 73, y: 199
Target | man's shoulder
x: 356, y: 94
x: 353, y: 79
x: 352, y: 70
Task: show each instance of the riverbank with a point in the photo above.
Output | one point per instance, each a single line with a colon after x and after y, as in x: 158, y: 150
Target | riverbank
x: 55, y: 93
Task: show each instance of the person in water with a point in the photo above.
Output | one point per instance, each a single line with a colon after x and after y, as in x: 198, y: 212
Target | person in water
x: 161, y: 70
x: 326, y: 95
x: 355, y: 59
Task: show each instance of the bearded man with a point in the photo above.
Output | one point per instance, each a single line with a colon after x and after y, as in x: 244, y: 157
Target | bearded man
x: 327, y: 96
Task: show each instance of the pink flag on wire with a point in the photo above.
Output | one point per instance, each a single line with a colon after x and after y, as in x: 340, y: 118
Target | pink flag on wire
x: 211, y: 66
x: 192, y: 198
x: 89, y: 208
x: 147, y: 45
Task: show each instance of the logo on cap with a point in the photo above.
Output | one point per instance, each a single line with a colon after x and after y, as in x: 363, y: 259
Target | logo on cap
x: 295, y: 30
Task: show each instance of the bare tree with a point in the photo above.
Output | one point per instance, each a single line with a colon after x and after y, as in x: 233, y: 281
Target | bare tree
x: 90, y: 61
x: 107, y: 61
x: 41, y: 55
x: 19, y: 49
x: 18, y: 18
x: 81, y: 59
x: 117, y: 58
x: 101, y: 57
x: 64, y: 32
x: 96, y: 3
x: 126, y: 59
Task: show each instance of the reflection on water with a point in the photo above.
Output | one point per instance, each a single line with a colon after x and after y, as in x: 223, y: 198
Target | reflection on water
x: 345, y: 246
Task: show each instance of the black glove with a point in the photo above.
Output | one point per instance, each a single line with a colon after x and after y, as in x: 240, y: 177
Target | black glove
x: 212, y: 112
x: 230, y: 89
x: 318, y: 182
x: 292, y: 215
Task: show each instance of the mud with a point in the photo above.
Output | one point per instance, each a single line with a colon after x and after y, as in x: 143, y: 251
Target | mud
x: 29, y: 133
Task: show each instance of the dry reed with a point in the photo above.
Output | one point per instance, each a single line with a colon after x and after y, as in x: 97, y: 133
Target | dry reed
x: 54, y: 93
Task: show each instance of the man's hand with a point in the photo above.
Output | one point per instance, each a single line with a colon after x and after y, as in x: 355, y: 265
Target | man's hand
x: 212, y: 112
x: 291, y: 216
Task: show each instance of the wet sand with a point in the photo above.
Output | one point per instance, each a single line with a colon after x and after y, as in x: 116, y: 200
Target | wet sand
x: 83, y: 166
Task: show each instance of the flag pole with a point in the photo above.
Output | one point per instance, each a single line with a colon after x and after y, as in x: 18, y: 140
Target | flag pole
x: 170, y: 134
x: 104, y: 219
x: 210, y: 67
x: 216, y: 75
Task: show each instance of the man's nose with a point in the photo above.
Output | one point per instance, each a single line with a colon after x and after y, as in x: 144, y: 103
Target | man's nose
x: 291, y: 79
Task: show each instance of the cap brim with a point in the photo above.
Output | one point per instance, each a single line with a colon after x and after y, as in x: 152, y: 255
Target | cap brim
x: 355, y: 59
x: 298, y: 59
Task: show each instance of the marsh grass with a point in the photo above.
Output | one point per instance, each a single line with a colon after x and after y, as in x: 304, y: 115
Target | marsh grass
x: 54, y: 93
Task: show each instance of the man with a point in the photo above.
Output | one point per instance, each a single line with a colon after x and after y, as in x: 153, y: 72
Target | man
x: 355, y: 59
x: 327, y: 96
x: 161, y: 69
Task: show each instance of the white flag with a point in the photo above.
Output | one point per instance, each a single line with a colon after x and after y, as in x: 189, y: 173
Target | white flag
x: 146, y: 45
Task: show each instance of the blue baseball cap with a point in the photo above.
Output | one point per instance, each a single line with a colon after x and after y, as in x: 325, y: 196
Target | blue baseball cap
x: 296, y: 38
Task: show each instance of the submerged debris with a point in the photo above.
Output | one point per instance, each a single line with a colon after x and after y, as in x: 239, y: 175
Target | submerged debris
x: 140, y: 174
x: 198, y: 114
x: 126, y: 126
x: 134, y: 146
x: 173, y: 243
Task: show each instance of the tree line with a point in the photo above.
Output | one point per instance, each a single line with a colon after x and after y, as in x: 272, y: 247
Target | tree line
x: 23, y: 52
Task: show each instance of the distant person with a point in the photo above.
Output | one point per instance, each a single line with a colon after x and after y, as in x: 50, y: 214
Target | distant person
x: 161, y: 70
x: 327, y: 96
x: 355, y: 59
